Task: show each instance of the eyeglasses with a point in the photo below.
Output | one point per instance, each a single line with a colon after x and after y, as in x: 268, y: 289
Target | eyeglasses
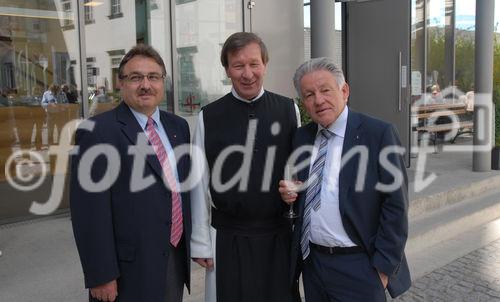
x: 137, y: 78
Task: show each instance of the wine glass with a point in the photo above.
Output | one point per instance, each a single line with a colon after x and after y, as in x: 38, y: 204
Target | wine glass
x: 290, y: 175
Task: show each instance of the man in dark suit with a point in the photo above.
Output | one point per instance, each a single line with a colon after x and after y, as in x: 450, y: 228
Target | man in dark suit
x: 131, y: 218
x: 352, y: 228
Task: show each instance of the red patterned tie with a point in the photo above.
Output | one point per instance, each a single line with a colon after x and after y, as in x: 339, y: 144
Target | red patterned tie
x: 154, y: 138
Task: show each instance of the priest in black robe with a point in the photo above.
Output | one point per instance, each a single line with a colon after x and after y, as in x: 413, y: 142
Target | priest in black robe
x: 239, y: 232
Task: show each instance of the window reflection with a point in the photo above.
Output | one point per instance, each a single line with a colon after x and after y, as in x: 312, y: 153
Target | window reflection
x: 115, y: 7
x: 201, y: 28
x: 39, y: 91
x: 442, y: 59
x: 418, y: 45
x: 435, y: 44
x: 442, y: 49
x: 110, y: 31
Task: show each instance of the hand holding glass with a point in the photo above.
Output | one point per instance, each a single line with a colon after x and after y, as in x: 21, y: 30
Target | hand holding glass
x: 291, y: 184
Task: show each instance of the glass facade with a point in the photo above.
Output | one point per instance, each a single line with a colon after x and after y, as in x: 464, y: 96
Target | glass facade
x: 442, y: 47
x: 442, y: 62
x: 53, y: 71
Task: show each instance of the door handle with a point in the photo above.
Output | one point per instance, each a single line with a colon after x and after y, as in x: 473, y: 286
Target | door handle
x: 399, y: 82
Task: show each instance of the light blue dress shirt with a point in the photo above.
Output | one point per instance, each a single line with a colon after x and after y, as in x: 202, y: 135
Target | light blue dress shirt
x: 142, y: 119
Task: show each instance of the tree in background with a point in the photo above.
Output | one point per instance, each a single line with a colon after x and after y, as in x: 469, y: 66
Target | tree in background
x: 496, y: 88
x: 464, y: 64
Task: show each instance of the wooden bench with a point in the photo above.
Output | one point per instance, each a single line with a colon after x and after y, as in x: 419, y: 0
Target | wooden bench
x: 428, y: 115
x: 461, y: 127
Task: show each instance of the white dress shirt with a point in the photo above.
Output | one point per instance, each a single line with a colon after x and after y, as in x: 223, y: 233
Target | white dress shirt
x: 326, y: 222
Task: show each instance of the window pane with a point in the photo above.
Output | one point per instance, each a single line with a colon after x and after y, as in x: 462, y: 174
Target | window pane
x: 435, y: 44
x: 464, y: 44
x: 417, y: 45
x: 38, y: 57
x: 201, y: 29
x: 115, y: 7
x: 106, y: 41
x: 159, y: 35
x: 88, y: 9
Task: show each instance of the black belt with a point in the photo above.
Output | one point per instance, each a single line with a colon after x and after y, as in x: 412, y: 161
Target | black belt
x: 336, y: 250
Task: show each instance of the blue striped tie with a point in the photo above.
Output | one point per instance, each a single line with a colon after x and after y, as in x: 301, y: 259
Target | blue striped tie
x: 313, y: 200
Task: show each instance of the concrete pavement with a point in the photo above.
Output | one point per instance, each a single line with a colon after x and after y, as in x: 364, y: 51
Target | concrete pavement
x: 473, y: 277
x: 40, y: 262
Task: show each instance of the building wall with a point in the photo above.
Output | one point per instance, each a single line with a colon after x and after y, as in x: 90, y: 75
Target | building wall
x: 280, y: 24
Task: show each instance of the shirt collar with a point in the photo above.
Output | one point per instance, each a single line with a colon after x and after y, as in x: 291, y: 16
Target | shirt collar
x: 339, y: 126
x: 142, y: 119
x: 235, y: 94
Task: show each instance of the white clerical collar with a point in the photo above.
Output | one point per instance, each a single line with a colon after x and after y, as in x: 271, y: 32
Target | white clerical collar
x: 339, y: 126
x: 235, y: 94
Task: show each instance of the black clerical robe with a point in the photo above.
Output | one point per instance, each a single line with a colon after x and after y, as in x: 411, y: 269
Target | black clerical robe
x: 253, y: 237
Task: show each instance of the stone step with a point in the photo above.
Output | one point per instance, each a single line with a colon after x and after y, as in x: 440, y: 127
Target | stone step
x: 450, y: 231
x: 427, y: 204
x: 445, y: 222
x: 425, y: 261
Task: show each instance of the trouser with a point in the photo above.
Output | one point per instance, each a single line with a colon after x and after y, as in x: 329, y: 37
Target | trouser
x: 175, y: 273
x: 341, y: 277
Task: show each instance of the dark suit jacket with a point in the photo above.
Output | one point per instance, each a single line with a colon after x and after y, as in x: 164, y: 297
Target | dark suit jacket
x: 374, y: 220
x: 122, y: 234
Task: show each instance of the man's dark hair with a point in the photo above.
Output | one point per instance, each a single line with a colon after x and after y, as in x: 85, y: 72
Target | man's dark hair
x: 144, y: 51
x: 239, y: 40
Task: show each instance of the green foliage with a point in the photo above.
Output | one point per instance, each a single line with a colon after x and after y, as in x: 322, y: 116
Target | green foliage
x: 496, y: 73
x: 496, y: 88
x: 497, y: 125
x: 464, y: 62
x: 304, y: 117
x: 464, y: 65
x: 464, y: 57
x: 435, y: 52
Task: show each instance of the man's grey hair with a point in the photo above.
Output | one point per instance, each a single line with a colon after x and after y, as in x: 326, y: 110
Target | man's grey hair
x: 315, y: 65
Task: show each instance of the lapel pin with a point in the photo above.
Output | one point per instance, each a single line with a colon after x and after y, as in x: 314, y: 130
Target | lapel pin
x: 175, y: 135
x: 357, y: 136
